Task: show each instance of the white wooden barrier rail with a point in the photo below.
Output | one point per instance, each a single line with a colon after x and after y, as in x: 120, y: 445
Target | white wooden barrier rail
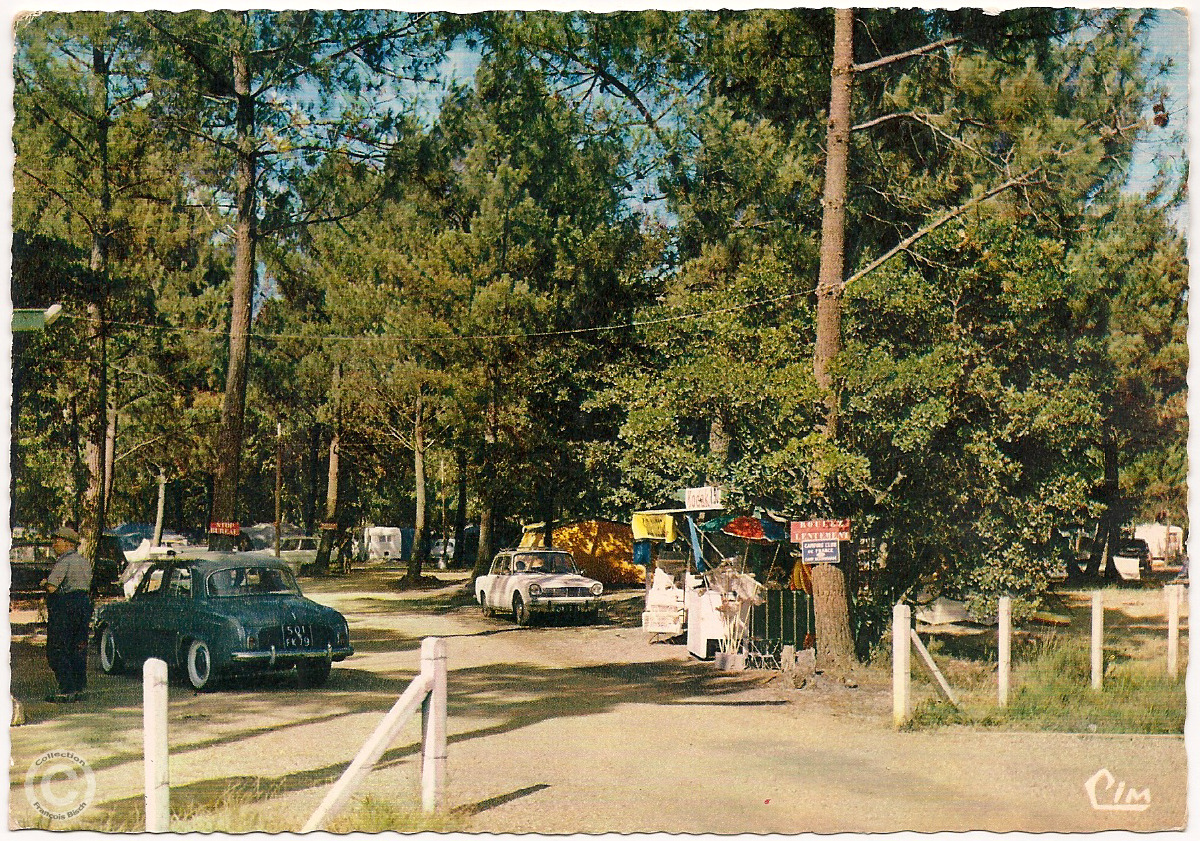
x: 927, y: 659
x: 428, y: 692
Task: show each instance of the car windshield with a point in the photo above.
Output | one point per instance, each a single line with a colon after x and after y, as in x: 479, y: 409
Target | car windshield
x: 252, y: 581
x: 547, y: 562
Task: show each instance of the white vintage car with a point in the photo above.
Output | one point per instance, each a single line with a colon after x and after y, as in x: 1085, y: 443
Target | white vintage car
x: 529, y: 581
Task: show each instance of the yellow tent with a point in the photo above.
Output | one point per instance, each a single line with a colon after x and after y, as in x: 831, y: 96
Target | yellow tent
x: 603, y: 549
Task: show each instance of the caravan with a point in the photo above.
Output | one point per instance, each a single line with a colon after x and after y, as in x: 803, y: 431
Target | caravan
x: 1164, y: 542
x: 381, y: 543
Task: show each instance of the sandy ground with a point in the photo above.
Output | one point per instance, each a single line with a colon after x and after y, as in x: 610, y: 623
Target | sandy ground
x: 593, y: 729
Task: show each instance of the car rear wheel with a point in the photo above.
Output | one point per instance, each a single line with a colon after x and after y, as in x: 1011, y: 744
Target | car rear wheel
x: 313, y: 673
x: 110, y: 658
x: 199, y: 665
x: 521, y: 614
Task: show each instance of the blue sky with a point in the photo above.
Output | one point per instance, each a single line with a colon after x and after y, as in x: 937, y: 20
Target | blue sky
x: 1169, y: 41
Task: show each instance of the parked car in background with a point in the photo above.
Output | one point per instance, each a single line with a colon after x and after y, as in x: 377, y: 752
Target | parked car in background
x: 299, y: 553
x: 1134, y: 548
x: 131, y: 535
x: 219, y: 614
x: 537, y: 581
x: 442, y: 551
x: 262, y: 535
x: 31, y: 559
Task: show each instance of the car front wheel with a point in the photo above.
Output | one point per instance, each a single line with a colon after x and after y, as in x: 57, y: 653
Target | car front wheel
x: 521, y: 614
x: 110, y: 658
x: 199, y: 665
x: 483, y: 605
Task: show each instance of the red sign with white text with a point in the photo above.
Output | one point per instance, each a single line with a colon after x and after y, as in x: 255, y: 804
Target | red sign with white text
x: 231, y: 529
x: 804, y: 531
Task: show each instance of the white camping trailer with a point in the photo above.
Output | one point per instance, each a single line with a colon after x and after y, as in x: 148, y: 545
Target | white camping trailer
x: 382, y: 542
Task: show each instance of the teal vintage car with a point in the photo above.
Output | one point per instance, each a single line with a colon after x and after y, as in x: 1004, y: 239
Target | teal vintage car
x: 221, y: 614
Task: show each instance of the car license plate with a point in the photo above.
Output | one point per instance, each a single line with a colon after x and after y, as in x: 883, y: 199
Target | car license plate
x: 297, y: 636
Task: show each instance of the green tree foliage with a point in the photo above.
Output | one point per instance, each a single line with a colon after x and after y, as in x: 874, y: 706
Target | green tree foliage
x: 585, y: 277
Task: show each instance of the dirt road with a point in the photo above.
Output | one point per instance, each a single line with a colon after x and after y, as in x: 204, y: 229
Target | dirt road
x: 594, y: 729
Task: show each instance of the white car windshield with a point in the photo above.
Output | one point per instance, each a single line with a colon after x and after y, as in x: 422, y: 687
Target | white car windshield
x: 252, y: 581
x: 544, y: 562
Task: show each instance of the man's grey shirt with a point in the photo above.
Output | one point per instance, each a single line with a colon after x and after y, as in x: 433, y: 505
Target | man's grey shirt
x: 70, y: 572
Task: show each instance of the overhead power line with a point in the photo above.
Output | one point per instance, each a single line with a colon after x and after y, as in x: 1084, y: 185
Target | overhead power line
x: 477, y: 337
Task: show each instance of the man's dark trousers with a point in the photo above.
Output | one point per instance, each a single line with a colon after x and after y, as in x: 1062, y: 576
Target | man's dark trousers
x: 69, y: 616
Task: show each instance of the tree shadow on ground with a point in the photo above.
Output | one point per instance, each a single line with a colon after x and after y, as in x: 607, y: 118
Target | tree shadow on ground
x: 513, y: 696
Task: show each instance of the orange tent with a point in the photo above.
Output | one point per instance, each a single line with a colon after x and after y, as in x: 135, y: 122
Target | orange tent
x: 603, y: 549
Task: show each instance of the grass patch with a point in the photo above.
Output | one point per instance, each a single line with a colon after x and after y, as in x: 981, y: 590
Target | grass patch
x: 243, y: 810
x: 373, y: 815
x: 1052, y: 691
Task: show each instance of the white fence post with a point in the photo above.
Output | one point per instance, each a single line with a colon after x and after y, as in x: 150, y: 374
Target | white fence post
x: 433, y: 724
x: 901, y: 668
x: 1005, y: 647
x: 1098, y: 640
x: 1172, y: 592
x: 154, y: 745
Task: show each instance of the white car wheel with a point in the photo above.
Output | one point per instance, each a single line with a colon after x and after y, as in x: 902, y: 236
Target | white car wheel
x: 199, y: 665
x: 110, y: 658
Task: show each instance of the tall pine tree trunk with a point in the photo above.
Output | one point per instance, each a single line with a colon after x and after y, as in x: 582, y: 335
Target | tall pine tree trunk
x: 483, y: 556
x: 92, y: 519
x: 329, y: 524
x: 160, y: 511
x: 835, y: 645
x: 110, y: 458
x: 1109, y: 529
x: 312, y: 478
x: 227, y: 470
x: 460, y: 511
x: 420, y: 546
x: 718, y: 449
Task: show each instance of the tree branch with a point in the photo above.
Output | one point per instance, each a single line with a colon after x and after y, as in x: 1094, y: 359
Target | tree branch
x: 906, y: 243
x: 891, y: 59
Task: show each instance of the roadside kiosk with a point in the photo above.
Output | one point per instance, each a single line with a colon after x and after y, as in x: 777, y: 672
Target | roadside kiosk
x: 677, y: 598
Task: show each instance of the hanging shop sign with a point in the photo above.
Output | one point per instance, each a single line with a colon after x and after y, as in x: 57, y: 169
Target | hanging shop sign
x: 653, y: 526
x: 699, y: 499
x: 804, y: 531
x: 821, y: 540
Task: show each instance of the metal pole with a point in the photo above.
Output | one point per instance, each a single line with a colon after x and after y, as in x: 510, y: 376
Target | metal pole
x: 1097, y: 640
x: 1005, y: 652
x: 1172, y: 592
x: 154, y: 745
x: 433, y: 725
x: 901, y: 669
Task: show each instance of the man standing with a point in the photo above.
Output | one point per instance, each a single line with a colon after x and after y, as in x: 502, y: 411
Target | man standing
x: 69, y: 615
